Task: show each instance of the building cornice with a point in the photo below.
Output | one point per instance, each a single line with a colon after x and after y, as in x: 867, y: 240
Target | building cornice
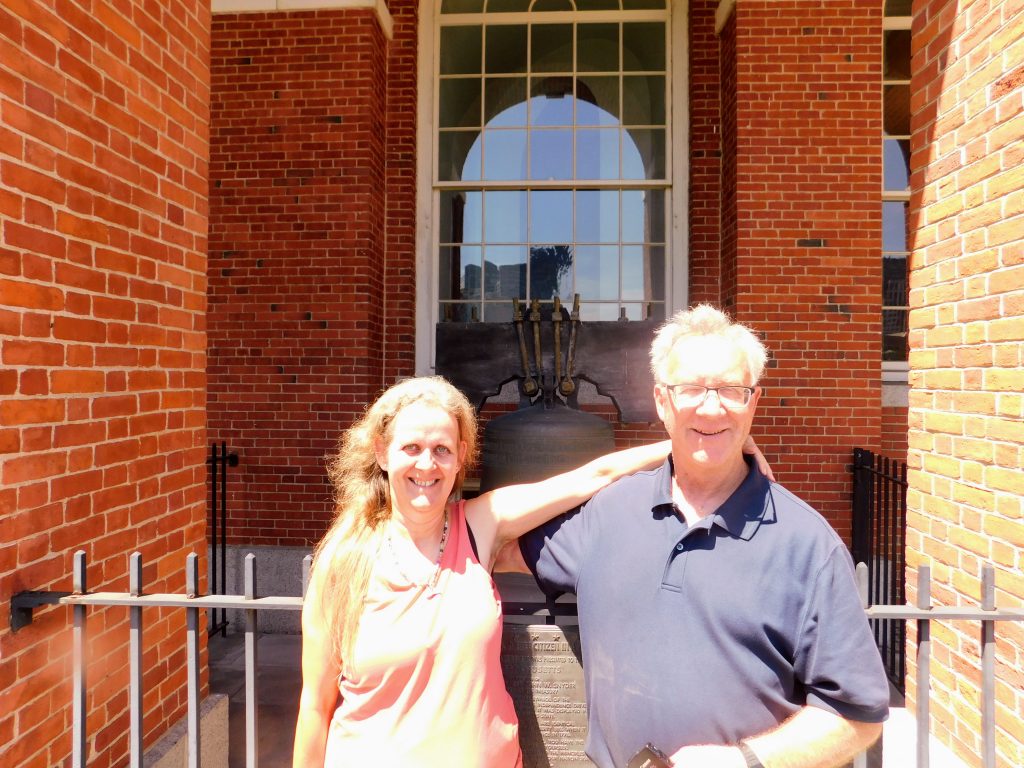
x: 379, y: 8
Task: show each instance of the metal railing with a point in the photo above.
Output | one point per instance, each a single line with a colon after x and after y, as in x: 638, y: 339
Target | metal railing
x: 136, y: 599
x: 219, y: 461
x: 879, y: 540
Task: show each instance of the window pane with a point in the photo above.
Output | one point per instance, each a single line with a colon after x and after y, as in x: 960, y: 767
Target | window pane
x: 597, y: 47
x: 643, y: 216
x: 594, y: 311
x: 643, y: 100
x: 597, y: 153
x: 460, y: 217
x: 643, y: 154
x: 460, y: 313
x: 551, y: 100
x: 506, y: 48
x: 896, y: 63
x: 896, y: 165
x: 504, y: 155
x: 894, y: 334
x: 894, y: 227
x: 896, y: 100
x: 460, y: 50
x: 456, y: 264
x: 458, y: 156
x: 643, y: 47
x: 597, y: 5
x: 505, y: 272
x: 643, y: 5
x: 505, y: 102
x: 462, y: 6
x: 597, y: 216
x: 597, y: 100
x: 643, y: 272
x: 551, y: 271
x: 551, y: 48
x: 597, y: 272
x: 894, y: 281
x: 551, y: 154
x: 551, y: 216
x: 460, y: 103
x: 506, y: 6
x: 551, y: 5
x: 505, y: 217
x: 897, y: 7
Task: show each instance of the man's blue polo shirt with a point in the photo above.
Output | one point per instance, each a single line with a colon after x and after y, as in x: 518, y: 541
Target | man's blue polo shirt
x: 709, y: 634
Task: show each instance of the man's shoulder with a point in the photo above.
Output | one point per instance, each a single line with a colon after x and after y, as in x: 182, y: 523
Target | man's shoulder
x: 799, y: 517
x: 636, y: 489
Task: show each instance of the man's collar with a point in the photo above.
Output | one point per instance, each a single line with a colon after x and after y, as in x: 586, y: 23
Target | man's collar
x: 741, y: 514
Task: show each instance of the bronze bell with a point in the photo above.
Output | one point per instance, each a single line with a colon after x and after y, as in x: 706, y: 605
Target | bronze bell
x: 546, y: 437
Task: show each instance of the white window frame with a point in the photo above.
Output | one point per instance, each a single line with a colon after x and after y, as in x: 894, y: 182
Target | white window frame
x: 677, y: 160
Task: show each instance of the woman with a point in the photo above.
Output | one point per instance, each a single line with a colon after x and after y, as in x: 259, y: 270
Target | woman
x: 401, y: 624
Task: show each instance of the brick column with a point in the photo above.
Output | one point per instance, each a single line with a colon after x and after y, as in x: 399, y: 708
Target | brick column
x: 296, y: 268
x: 801, y: 229
x: 103, y: 163
x: 967, y: 351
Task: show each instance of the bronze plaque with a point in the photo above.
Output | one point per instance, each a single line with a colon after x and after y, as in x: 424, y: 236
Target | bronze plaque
x: 544, y: 675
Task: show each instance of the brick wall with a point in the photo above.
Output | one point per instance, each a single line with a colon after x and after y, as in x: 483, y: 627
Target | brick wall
x: 705, y: 155
x: 966, y: 342
x: 807, y: 106
x: 296, y: 269
x: 894, y: 432
x: 103, y: 152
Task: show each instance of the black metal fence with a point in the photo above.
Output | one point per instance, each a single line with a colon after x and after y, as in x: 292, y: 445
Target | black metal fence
x: 879, y: 540
x: 218, y: 462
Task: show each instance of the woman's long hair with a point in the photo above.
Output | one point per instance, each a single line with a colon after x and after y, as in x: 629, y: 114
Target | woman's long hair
x: 344, y: 558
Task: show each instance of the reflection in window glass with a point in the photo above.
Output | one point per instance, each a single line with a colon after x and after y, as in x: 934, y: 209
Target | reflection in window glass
x: 458, y: 156
x: 894, y: 227
x: 505, y: 272
x: 461, y: 50
x: 643, y: 154
x: 896, y: 62
x: 461, y: 217
x: 552, y: 101
x: 505, y: 102
x: 505, y: 217
x: 551, y: 216
x: 597, y: 153
x: 643, y: 216
x: 896, y: 100
x: 506, y: 49
x: 551, y: 48
x: 643, y: 47
x: 896, y: 164
x: 643, y: 101
x: 597, y: 100
x: 894, y: 334
x: 597, y: 216
x: 460, y: 313
x: 460, y: 103
x: 597, y: 48
x: 551, y: 154
x: 597, y: 272
x: 551, y: 271
x: 504, y: 155
x: 452, y: 262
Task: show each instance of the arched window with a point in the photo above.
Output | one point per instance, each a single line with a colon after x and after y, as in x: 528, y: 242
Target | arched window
x: 551, y: 158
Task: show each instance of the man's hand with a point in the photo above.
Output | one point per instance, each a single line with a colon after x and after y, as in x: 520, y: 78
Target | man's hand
x: 709, y: 756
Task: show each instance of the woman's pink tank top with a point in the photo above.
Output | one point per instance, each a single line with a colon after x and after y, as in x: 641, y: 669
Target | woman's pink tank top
x: 424, y: 687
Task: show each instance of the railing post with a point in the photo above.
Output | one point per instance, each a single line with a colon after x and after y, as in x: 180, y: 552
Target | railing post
x: 988, y: 669
x: 213, y: 545
x: 251, y: 740
x: 192, y: 631
x: 79, y: 712
x: 307, y: 566
x: 924, y: 649
x: 135, y: 650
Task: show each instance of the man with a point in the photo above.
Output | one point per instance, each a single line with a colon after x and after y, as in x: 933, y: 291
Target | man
x: 718, y: 613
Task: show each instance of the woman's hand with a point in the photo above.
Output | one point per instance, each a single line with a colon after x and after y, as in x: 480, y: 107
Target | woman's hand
x: 751, y: 448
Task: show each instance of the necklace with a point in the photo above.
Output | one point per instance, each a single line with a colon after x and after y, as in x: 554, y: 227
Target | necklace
x: 437, y: 563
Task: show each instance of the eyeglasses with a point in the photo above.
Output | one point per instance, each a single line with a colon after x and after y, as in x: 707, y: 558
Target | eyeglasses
x: 693, y: 395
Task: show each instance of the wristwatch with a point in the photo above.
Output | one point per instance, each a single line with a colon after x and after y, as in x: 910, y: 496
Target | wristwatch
x: 750, y: 756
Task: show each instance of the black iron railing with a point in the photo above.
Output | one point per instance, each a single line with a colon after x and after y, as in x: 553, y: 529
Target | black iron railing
x: 879, y: 540
x: 219, y: 462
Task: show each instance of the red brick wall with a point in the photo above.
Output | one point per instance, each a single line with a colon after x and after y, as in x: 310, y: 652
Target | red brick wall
x: 296, y: 269
x: 705, y: 155
x: 808, y: 231
x: 894, y: 432
x: 967, y: 351
x: 103, y: 153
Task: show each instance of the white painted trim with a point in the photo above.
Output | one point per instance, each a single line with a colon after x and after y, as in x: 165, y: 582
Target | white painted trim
x: 722, y: 13
x: 678, y: 277
x: 425, y: 289
x: 379, y: 8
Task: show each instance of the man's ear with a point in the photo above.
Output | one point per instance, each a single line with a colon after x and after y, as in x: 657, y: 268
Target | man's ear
x: 381, y: 453
x: 660, y: 404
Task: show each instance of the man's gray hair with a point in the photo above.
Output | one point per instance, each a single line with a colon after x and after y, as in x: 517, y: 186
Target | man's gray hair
x: 705, y: 320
